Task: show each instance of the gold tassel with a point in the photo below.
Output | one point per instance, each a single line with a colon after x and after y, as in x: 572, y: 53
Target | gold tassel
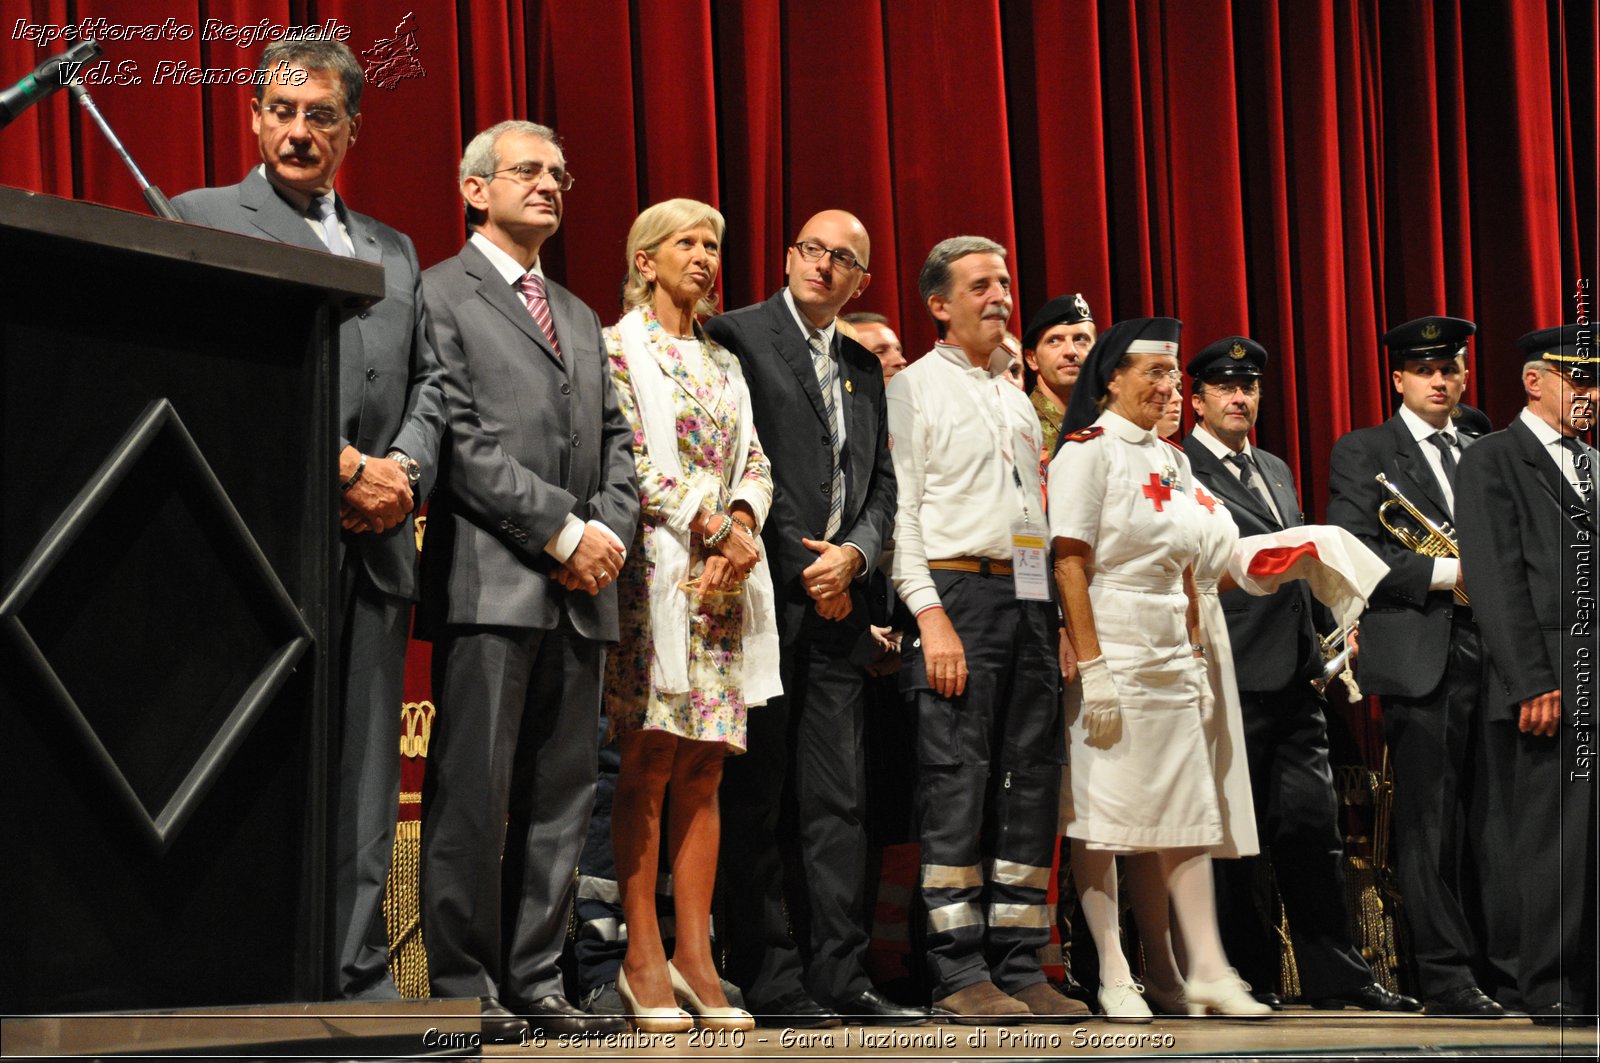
x: 408, y: 961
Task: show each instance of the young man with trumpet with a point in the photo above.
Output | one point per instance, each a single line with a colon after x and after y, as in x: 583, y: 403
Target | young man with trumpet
x: 1277, y: 654
x: 1420, y: 653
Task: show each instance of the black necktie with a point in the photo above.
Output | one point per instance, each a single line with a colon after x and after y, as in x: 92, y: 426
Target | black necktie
x: 1247, y: 477
x: 1447, y: 456
x: 1582, y: 467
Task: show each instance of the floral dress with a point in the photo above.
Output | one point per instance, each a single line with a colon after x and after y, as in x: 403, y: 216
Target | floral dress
x: 707, y: 417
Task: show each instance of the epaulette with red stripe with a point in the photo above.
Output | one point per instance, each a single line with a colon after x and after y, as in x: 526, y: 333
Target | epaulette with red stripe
x: 1083, y: 435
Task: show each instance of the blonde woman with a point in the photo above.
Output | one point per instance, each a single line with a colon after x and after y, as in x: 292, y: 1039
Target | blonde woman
x: 699, y: 643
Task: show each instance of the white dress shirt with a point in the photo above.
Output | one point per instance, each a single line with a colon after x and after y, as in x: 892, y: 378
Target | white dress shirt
x: 1445, y: 569
x: 961, y: 438
x: 1550, y: 438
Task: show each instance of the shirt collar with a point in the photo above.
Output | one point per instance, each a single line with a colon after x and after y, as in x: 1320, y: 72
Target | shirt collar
x: 1217, y: 446
x: 1421, y: 429
x: 999, y: 358
x: 297, y: 199
x: 1045, y: 404
x: 805, y: 327
x: 1542, y: 430
x: 1117, y: 425
x: 504, y: 264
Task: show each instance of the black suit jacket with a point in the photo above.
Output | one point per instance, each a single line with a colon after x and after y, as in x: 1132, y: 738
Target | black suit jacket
x: 533, y: 437
x: 1274, y: 637
x: 1405, y: 632
x: 389, y: 390
x: 790, y: 420
x: 1528, y: 550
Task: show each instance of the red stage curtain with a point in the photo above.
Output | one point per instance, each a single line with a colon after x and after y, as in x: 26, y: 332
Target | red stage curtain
x: 1305, y: 171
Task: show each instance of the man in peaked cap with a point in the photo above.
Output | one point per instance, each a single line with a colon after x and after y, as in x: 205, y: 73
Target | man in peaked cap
x: 1530, y: 568
x: 1420, y: 653
x: 1276, y: 652
x: 1057, y: 341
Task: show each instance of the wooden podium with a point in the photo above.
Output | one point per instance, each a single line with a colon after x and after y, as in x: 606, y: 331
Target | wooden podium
x: 168, y: 519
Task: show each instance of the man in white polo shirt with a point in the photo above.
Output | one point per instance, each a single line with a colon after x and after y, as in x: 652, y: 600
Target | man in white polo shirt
x: 982, y: 666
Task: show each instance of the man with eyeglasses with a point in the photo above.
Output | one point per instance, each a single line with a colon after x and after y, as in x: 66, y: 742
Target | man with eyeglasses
x: 391, y: 414
x: 1276, y: 654
x: 981, y: 667
x: 537, y: 498
x: 1529, y: 524
x: 819, y: 410
x: 1421, y: 655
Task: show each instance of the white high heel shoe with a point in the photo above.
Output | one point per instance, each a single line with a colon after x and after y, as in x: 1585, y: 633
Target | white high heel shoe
x: 652, y: 1020
x: 725, y: 1018
x: 1122, y: 1002
x: 1228, y: 995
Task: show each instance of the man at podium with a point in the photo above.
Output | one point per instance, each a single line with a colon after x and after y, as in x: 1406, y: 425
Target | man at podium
x: 391, y: 414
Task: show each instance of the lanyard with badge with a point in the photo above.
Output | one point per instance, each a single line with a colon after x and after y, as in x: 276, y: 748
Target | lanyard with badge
x: 1030, y: 571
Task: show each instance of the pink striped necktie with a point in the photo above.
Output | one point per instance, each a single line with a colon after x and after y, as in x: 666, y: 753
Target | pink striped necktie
x: 532, y: 288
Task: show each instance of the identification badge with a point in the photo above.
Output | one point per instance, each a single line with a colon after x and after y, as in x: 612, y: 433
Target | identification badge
x: 1030, y: 568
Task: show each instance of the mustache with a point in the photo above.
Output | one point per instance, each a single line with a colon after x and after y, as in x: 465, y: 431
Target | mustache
x: 997, y: 312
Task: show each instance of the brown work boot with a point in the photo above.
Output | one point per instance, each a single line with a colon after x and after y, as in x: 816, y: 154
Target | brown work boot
x: 1048, y: 1005
x: 980, y: 1004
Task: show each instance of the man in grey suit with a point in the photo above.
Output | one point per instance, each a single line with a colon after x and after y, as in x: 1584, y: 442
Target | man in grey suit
x: 537, y: 496
x: 819, y: 410
x: 391, y: 414
x: 1276, y: 653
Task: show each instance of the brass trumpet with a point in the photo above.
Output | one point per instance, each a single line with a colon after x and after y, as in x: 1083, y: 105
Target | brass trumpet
x: 1437, y: 540
x: 1335, y: 656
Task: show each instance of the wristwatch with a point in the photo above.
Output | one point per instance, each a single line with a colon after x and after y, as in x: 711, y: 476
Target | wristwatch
x: 413, y: 470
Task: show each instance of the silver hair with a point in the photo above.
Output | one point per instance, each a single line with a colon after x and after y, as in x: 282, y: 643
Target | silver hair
x: 316, y: 55
x: 480, y: 159
x: 650, y: 229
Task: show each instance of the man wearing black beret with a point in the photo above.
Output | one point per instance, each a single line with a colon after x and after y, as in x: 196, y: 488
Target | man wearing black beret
x: 1057, y: 341
x: 1420, y: 654
x: 1528, y: 527
x: 1276, y: 652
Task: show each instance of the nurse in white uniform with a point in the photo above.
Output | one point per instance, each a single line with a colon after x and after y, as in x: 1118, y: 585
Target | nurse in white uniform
x: 1128, y: 532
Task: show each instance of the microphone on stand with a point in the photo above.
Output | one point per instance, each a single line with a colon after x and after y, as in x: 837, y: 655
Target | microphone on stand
x: 47, y: 77
x: 152, y: 195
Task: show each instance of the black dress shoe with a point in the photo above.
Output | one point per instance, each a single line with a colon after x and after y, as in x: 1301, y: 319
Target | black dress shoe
x: 1560, y: 1015
x: 1270, y: 999
x: 795, y: 1010
x: 555, y: 1014
x: 872, y: 1008
x: 1467, y: 1002
x: 1370, y: 997
x: 499, y: 1025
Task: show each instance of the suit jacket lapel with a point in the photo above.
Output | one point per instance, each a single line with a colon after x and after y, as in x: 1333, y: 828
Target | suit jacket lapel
x: 796, y: 351
x: 361, y: 238
x: 270, y: 213
x: 1283, y: 495
x: 1550, y: 476
x: 494, y: 290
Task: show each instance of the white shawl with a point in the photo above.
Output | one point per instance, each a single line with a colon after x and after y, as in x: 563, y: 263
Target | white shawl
x: 669, y: 602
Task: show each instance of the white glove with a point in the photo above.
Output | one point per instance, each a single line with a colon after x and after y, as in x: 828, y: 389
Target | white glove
x: 1208, y: 699
x: 1102, y: 706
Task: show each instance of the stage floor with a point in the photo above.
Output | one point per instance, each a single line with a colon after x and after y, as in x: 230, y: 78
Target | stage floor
x: 442, y: 1029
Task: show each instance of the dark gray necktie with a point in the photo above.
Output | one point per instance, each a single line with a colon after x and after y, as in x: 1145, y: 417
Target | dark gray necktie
x: 1446, y: 442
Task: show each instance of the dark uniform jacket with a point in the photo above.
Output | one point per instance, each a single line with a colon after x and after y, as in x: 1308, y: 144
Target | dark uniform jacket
x: 1405, y: 632
x: 777, y: 365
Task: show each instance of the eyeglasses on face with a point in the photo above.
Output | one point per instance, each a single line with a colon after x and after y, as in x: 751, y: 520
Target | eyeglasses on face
x: 322, y: 119
x: 531, y: 173
x: 1225, y: 388
x: 811, y: 251
x: 1156, y: 375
